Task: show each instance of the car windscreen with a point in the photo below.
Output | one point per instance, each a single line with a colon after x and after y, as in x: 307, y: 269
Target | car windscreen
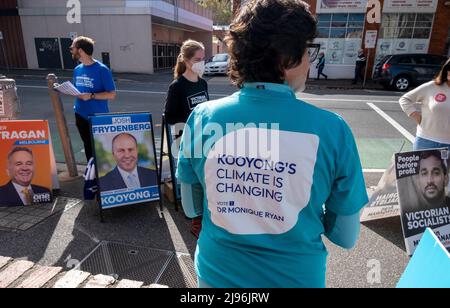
x: 219, y: 58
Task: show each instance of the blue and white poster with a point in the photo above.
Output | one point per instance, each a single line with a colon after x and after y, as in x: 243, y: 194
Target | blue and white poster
x: 125, y: 159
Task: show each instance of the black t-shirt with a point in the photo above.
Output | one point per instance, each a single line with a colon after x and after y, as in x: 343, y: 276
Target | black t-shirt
x: 183, y: 96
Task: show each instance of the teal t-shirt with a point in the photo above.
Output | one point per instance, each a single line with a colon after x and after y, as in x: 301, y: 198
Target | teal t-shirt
x: 269, y: 165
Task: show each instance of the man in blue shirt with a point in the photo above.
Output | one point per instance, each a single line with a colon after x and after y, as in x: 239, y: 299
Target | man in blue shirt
x: 270, y: 173
x: 94, y: 80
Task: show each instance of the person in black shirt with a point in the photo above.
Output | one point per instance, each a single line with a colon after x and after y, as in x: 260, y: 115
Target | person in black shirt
x: 186, y: 92
x: 188, y: 89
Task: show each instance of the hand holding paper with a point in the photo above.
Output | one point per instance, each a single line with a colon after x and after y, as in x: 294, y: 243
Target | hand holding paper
x: 67, y: 88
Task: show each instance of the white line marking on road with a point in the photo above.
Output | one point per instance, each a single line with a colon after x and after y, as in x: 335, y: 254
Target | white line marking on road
x: 225, y: 95
x: 391, y: 121
x: 374, y: 170
x: 306, y: 99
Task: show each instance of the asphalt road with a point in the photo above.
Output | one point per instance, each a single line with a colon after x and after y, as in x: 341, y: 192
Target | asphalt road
x: 380, y: 128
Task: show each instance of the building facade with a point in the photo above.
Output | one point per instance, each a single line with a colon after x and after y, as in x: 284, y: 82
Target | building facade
x: 137, y: 36
x: 405, y: 26
x: 219, y: 45
x: 12, y: 48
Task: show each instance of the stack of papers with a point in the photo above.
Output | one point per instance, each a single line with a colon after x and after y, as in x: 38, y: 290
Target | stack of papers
x: 67, y: 88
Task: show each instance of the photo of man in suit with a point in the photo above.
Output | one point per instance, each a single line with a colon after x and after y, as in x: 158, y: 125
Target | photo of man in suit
x: 127, y: 174
x: 19, y: 191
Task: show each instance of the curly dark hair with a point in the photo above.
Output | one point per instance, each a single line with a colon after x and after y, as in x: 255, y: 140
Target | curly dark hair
x: 267, y: 37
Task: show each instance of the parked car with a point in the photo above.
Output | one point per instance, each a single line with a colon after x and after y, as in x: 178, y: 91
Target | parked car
x: 399, y: 72
x: 217, y: 64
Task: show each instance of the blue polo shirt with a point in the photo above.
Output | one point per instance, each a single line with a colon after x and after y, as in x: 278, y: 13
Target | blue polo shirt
x: 267, y: 181
x: 95, y: 78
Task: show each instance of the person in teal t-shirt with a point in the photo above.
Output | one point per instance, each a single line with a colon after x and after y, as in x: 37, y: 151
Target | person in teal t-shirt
x: 271, y: 173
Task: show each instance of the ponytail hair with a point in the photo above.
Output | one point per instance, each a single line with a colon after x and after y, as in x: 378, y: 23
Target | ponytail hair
x: 441, y: 77
x: 187, y: 52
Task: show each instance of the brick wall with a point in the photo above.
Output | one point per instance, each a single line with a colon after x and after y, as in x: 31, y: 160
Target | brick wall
x: 440, y: 29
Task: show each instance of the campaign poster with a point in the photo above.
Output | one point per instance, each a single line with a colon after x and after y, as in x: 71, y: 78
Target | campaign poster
x: 422, y: 184
x: 384, y: 201
x: 25, y: 163
x: 125, y: 159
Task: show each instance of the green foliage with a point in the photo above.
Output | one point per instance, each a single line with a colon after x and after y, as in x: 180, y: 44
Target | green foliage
x: 221, y: 9
x: 104, y: 157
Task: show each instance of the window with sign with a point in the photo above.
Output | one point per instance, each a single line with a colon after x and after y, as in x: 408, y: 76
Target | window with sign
x: 340, y: 25
x: 406, y: 26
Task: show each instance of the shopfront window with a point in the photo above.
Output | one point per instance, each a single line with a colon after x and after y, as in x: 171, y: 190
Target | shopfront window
x: 340, y: 25
x: 404, y: 33
x: 340, y: 37
x: 406, y: 26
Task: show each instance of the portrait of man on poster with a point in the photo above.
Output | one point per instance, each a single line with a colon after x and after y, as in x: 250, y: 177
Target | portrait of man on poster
x: 433, y: 179
x: 127, y: 174
x: 21, y: 170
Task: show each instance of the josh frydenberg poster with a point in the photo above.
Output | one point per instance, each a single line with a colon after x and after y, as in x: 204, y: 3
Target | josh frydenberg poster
x: 384, y: 201
x: 125, y: 159
x: 422, y: 181
x: 25, y: 163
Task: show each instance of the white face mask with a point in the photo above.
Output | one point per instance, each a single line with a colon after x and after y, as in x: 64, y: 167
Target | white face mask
x: 199, y: 68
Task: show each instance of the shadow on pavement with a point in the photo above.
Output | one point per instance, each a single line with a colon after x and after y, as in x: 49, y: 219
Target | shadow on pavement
x: 129, y: 241
x: 390, y: 229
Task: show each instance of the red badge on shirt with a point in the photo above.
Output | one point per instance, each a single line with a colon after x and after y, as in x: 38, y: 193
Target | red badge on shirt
x: 440, y: 97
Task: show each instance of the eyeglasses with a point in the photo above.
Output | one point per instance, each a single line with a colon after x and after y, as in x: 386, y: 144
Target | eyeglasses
x: 313, y: 51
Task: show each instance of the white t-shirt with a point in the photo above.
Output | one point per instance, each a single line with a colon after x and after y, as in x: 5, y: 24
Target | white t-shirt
x: 434, y: 103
